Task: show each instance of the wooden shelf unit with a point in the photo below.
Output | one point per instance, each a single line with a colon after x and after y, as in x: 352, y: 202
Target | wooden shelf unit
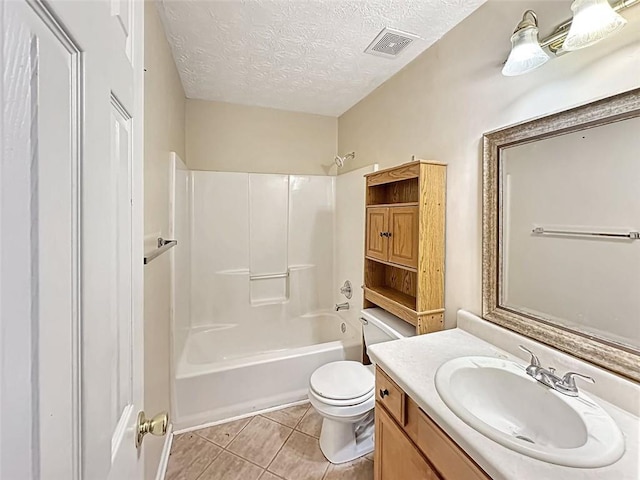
x: 404, y: 243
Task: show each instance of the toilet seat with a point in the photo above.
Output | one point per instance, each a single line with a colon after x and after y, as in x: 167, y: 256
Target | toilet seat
x: 341, y: 403
x: 348, y: 413
x: 342, y: 383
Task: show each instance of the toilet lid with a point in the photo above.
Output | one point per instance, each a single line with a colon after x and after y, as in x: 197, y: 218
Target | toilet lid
x: 342, y: 380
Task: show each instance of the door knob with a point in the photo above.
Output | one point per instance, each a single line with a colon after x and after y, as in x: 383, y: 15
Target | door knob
x: 155, y: 426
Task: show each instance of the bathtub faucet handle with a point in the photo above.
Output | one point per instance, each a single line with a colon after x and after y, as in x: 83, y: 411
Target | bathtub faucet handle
x: 346, y: 290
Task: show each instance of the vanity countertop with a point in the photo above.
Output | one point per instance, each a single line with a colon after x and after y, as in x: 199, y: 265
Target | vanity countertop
x: 412, y: 363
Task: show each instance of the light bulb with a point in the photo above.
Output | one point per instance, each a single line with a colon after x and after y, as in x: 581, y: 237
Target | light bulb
x: 593, y: 20
x: 526, y: 53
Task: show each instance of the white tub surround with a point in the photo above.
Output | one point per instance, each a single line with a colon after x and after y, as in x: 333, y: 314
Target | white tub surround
x: 253, y: 291
x: 258, y: 269
x: 412, y: 363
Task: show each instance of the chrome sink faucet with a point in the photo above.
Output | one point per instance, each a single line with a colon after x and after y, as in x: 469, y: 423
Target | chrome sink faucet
x: 565, y: 384
x: 342, y: 306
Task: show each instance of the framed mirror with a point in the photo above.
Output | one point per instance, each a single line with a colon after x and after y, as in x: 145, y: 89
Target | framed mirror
x: 561, y: 231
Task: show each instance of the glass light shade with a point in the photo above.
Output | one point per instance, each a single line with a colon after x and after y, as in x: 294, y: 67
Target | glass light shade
x: 526, y: 53
x: 593, y: 20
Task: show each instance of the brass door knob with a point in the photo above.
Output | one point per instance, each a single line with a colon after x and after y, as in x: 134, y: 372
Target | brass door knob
x: 155, y: 426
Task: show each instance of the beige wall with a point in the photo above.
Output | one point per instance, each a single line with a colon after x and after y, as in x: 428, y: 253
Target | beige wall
x: 439, y: 106
x: 163, y: 132
x: 238, y: 138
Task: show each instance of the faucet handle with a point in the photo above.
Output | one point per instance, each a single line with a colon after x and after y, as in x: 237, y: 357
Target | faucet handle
x: 569, y: 379
x: 535, y: 361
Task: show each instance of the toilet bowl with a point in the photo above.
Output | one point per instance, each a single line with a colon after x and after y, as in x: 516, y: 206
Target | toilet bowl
x: 343, y: 393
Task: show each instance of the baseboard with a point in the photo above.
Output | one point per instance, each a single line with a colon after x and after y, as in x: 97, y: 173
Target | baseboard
x: 185, y: 423
x: 191, y: 426
x: 166, y: 451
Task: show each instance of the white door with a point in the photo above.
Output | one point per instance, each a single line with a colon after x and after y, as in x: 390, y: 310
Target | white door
x: 70, y: 239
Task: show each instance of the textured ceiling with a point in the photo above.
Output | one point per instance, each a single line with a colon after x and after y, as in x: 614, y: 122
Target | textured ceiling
x: 300, y: 55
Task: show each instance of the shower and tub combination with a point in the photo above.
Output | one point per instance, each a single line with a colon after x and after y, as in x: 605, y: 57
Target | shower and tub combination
x: 256, y: 276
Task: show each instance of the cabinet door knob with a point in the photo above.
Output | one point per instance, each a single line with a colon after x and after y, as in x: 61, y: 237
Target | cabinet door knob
x: 384, y: 393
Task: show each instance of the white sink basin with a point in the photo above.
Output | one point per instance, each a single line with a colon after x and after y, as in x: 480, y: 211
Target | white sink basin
x: 497, y: 398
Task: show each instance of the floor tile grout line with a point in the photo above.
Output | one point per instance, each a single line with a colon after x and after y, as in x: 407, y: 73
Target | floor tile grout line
x: 240, y: 431
x: 279, y: 450
x: 237, y: 435
x: 276, y: 421
x: 326, y: 468
x: 295, y: 428
x: 297, y: 422
x: 281, y: 446
x: 231, y: 440
x: 225, y: 449
x: 264, y: 469
x: 310, y: 436
x: 208, y: 465
x: 302, y: 417
x: 251, y: 461
x: 220, y: 450
x: 208, y: 440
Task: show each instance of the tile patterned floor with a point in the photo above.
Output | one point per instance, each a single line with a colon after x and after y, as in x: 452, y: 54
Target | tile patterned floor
x: 280, y: 445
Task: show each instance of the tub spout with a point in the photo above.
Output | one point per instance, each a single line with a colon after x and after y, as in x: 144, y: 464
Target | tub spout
x: 342, y: 306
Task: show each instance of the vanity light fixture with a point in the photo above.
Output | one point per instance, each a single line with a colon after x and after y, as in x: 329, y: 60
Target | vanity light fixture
x: 593, y: 20
x: 526, y: 53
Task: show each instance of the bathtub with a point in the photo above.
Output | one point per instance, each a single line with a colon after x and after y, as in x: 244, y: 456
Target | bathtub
x: 229, y: 370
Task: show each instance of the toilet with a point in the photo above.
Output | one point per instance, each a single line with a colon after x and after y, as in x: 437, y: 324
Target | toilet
x: 343, y: 393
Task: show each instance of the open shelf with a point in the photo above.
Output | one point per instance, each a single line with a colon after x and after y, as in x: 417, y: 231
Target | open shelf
x: 392, y: 288
x: 398, y: 303
x: 395, y: 265
x: 394, y: 193
x: 403, y: 299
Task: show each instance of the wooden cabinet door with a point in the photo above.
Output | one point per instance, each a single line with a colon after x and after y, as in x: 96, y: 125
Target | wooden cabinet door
x: 377, y: 229
x: 396, y: 457
x: 403, y: 242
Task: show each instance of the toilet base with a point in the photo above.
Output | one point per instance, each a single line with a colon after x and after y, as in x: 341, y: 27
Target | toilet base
x: 342, y: 442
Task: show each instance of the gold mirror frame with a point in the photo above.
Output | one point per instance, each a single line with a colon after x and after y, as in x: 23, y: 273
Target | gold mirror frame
x: 617, y: 358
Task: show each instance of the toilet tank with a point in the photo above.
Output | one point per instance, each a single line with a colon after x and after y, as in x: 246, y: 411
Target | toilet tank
x: 381, y: 326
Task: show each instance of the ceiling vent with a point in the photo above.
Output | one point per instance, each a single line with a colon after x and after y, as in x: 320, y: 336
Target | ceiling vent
x: 390, y: 43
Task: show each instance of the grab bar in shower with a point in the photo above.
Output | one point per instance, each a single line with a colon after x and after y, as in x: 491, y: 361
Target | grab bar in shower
x: 269, y: 276
x: 628, y: 235
x: 163, y: 246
